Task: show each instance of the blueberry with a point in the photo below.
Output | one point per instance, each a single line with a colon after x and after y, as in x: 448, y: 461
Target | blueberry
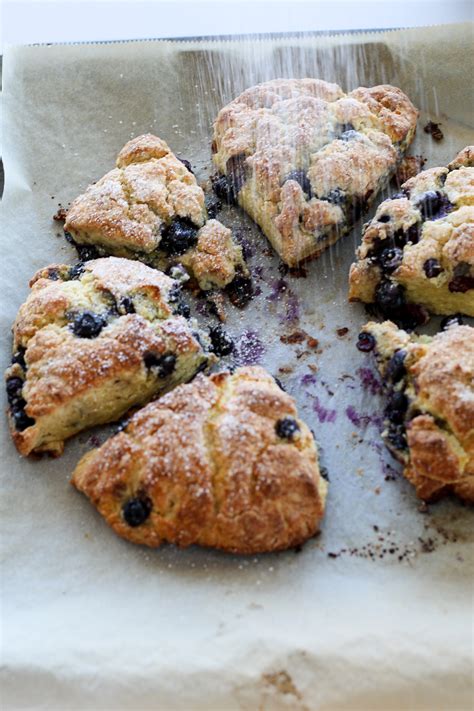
x: 186, y: 164
x: 19, y: 357
x: 179, y: 236
x: 182, y: 309
x: 398, y: 196
x: 22, y: 420
x: 349, y: 135
x: 163, y: 364
x: 432, y: 268
x: 88, y: 324
x: 240, y: 290
x: 411, y: 316
x: 395, y: 369
x: 366, y: 342
x: 175, y: 297
x: 53, y: 274
x: 287, y: 428
x: 429, y: 203
x: 340, y: 128
x: 396, y: 436
x: 222, y: 343
x: 336, y: 197
x: 461, y: 284
x: 397, y: 407
x: 223, y: 189
x: 402, y: 237
x: 454, y: 320
x: 136, y: 511
x: 86, y: 252
x: 390, y: 259
x: 126, y: 305
x: 213, y: 206
x: 76, y: 271
x: 384, y: 218
x: 301, y: 177
x: 14, y: 387
x: 389, y: 296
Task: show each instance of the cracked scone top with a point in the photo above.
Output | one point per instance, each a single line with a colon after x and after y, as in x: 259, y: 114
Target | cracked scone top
x: 429, y: 419
x: 418, y: 251
x: 90, y: 342
x: 304, y: 159
x: 150, y: 207
x: 223, y: 462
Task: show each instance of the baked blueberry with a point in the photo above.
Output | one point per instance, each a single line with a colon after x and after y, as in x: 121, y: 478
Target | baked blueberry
x: 222, y: 343
x: 336, y: 197
x: 432, y: 268
x: 88, y: 324
x: 162, y: 364
x: 429, y: 203
x: 19, y: 357
x: 179, y: 236
x: 395, y: 369
x: 396, y: 436
x: 76, y: 271
x: 454, y: 320
x: 349, y: 135
x: 397, y: 407
x: 390, y: 259
x: 126, y: 305
x: 402, y: 237
x: 341, y: 128
x: 53, y: 274
x: 384, y: 218
x: 14, y: 387
x: 287, y: 428
x: 223, y: 189
x: 136, y: 511
x: 86, y: 252
x: 366, y: 342
x: 300, y: 177
x: 240, y: 290
x: 389, y: 296
x: 235, y: 170
x: 21, y: 419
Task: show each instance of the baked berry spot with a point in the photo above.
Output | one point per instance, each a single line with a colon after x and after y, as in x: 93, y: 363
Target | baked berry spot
x: 397, y: 407
x: 390, y: 259
x: 19, y: 357
x: 432, y: 268
x: 396, y: 366
x: 136, y: 511
x: 223, y: 189
x: 76, y: 271
x: 240, y: 290
x: 88, y: 324
x: 402, y: 237
x: 222, y: 343
x: 366, y: 342
x: 300, y: 177
x: 179, y: 236
x: 126, y: 305
x: 336, y: 197
x: 429, y: 203
x: 213, y: 206
x: 389, y: 296
x: 396, y: 436
x: 462, y: 281
x: 287, y: 428
x: 17, y: 404
x: 163, y: 365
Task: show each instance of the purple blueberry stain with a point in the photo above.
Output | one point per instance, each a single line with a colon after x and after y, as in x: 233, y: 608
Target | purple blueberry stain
x: 249, y: 349
x: 370, y: 380
x: 278, y: 287
x: 324, y: 414
x: 308, y: 379
x: 359, y: 419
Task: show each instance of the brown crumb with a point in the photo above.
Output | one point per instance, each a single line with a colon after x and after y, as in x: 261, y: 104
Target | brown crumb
x: 298, y: 272
x: 342, y: 331
x: 61, y: 215
x: 434, y: 129
x: 285, y: 369
x: 312, y: 342
x: 313, y: 367
x: 409, y: 167
x: 377, y: 490
x: 295, y: 337
x: 423, y: 507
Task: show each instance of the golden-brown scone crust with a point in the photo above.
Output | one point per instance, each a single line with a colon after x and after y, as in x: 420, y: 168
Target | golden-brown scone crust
x: 125, y: 213
x: 432, y: 226
x: 435, y: 440
x: 204, y: 465
x: 87, y: 345
x: 304, y: 158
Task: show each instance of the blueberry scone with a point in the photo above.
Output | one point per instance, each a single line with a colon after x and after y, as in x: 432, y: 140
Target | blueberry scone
x: 223, y: 462
x: 90, y: 342
x: 429, y: 419
x: 417, y: 254
x: 304, y: 159
x: 150, y: 208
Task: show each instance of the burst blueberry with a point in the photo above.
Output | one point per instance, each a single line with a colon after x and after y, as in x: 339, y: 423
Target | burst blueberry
x: 163, y: 365
x: 432, y: 268
x: 136, y: 511
x: 390, y: 259
x: 395, y: 369
x: 222, y: 343
x: 179, y: 236
x: 287, y: 428
x: 88, y: 324
x: 389, y: 296
x: 366, y: 342
x: 240, y: 290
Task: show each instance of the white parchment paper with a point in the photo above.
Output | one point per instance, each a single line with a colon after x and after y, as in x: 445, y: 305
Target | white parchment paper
x: 375, y: 613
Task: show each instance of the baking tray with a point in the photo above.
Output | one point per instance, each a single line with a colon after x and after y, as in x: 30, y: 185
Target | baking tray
x: 361, y: 616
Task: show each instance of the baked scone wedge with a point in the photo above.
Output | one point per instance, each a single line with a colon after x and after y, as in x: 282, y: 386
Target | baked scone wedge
x: 429, y: 419
x: 417, y: 254
x: 223, y: 462
x: 90, y: 342
x: 304, y: 159
x: 151, y: 208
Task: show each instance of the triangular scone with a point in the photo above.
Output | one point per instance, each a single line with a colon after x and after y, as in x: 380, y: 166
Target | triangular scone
x: 429, y: 418
x: 304, y: 159
x: 150, y: 207
x: 224, y: 462
x: 417, y: 254
x: 90, y: 342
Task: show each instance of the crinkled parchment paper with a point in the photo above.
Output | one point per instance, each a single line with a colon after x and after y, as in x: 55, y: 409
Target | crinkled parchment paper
x: 375, y: 613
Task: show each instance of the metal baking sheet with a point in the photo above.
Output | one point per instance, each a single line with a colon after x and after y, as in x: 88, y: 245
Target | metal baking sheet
x: 373, y: 613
